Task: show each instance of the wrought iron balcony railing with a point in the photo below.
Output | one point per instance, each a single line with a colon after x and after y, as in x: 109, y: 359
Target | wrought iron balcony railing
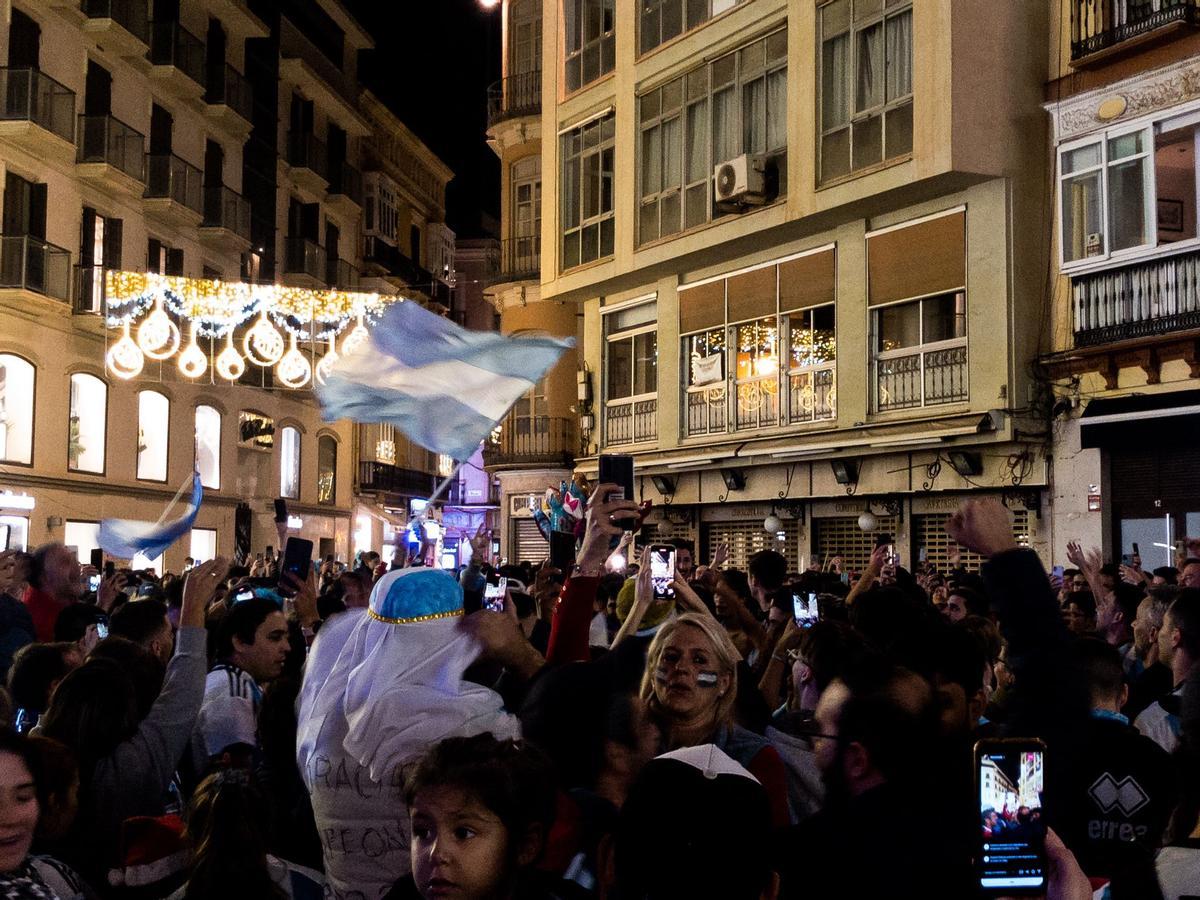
x: 520, y: 258
x: 32, y: 96
x: 1098, y: 25
x: 517, y: 95
x: 1138, y: 300
x: 630, y: 422
x: 377, y: 476
x: 921, y: 378
x: 533, y: 440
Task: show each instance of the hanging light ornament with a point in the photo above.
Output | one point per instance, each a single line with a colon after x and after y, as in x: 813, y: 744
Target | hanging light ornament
x: 293, y: 370
x: 192, y: 361
x: 230, y: 364
x: 125, y: 359
x: 326, y: 363
x: 356, y: 338
x: 158, y: 336
x: 263, y: 343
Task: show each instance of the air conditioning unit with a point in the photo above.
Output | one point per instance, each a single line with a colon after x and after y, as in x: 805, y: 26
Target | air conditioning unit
x: 741, y: 181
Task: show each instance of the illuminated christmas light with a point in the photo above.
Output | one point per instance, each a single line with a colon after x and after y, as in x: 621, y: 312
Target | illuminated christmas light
x: 158, y: 336
x: 355, y: 339
x: 192, y: 361
x: 263, y: 344
x: 230, y: 364
x: 124, y: 358
x: 326, y: 363
x: 293, y: 370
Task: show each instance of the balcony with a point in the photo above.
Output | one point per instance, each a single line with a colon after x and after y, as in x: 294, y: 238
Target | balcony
x: 345, y: 189
x: 226, y: 224
x: 304, y: 263
x: 341, y: 275
x: 515, y: 96
x: 630, y: 421
x: 1141, y: 300
x: 925, y: 377
x: 121, y: 26
x: 174, y: 190
x: 228, y: 101
x: 459, y: 494
x: 34, y: 266
x: 377, y: 477
x: 308, y: 160
x: 1101, y: 26
x: 533, y: 441
x: 520, y: 260
x: 88, y: 292
x: 38, y: 113
x: 111, y: 154
x: 177, y: 60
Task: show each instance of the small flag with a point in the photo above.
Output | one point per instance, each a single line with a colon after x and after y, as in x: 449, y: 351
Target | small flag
x: 442, y: 385
x: 125, y: 538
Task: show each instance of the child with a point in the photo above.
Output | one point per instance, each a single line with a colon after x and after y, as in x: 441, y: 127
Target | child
x: 480, y: 811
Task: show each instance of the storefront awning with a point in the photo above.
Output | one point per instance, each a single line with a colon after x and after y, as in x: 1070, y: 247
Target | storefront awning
x: 1146, y: 420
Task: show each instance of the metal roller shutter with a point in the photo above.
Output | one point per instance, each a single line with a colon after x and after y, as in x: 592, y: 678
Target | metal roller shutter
x: 528, y: 545
x: 929, y: 532
x: 841, y: 536
x: 747, y: 538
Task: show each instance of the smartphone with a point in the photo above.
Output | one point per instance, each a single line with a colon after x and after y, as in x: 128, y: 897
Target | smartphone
x: 1136, y: 552
x: 617, y: 469
x: 804, y: 607
x: 281, y: 514
x: 93, y: 582
x: 1010, y: 857
x: 97, y: 559
x: 102, y: 630
x: 1126, y: 559
x: 493, y: 594
x: 562, y: 550
x: 1057, y: 572
x: 662, y: 571
x: 110, y: 569
x: 881, y: 539
x: 297, y: 559
x: 244, y: 593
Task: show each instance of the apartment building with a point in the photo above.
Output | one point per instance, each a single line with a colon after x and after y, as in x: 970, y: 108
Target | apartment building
x: 800, y: 238
x: 1123, y: 100
x: 211, y: 140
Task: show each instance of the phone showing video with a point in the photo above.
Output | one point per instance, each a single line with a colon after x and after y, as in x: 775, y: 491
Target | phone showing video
x: 93, y: 582
x: 804, y: 607
x: 1010, y: 858
x: 102, y: 630
x: 243, y: 594
x: 493, y: 595
x: 662, y: 571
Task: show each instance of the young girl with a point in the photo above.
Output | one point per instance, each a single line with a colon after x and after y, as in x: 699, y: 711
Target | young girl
x: 480, y: 811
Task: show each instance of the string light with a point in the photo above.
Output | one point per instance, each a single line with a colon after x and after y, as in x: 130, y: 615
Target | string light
x: 230, y: 364
x: 192, y: 361
x: 326, y: 363
x: 124, y: 358
x: 157, y: 336
x: 355, y: 339
x: 262, y: 344
x: 293, y: 370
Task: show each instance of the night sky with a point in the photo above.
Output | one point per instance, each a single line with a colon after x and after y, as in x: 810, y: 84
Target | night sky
x: 433, y: 62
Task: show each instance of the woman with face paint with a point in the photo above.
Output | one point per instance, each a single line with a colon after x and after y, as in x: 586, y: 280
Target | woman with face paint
x: 690, y: 685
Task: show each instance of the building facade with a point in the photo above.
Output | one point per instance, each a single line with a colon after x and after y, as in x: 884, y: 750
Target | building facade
x: 798, y: 237
x: 1123, y: 100
x: 214, y: 140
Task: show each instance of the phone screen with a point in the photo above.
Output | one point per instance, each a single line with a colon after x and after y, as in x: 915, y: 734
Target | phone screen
x: 1057, y: 572
x: 102, y: 630
x: 493, y: 595
x: 804, y: 606
x: 1011, y: 855
x: 93, y: 582
x: 662, y: 571
x: 246, y: 593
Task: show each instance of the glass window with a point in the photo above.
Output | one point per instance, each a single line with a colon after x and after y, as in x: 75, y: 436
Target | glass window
x: 589, y: 40
x: 289, y: 463
x: 203, y: 544
x: 865, y: 70
x: 1175, y: 183
x: 631, y: 374
x: 920, y: 352
x: 87, y: 424
x: 17, y: 380
x: 662, y: 20
x: 677, y: 150
x: 154, y: 420
x: 326, y: 469
x: 587, y: 192
x: 208, y: 446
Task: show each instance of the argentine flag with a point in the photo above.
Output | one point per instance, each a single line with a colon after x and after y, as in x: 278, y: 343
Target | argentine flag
x: 442, y: 385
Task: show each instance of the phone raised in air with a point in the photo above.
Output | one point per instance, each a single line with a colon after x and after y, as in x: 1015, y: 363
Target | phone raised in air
x: 562, y: 550
x: 805, y: 609
x: 1010, y: 780
x: 662, y: 571
x: 297, y: 559
x: 493, y: 594
x: 617, y: 469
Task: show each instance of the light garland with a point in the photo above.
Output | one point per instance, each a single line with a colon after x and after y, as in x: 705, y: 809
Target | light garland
x: 152, y: 312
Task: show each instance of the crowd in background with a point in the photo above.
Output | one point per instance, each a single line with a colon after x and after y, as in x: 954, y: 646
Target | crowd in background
x: 710, y: 745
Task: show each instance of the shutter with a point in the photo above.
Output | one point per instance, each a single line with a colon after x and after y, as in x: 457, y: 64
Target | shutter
x: 747, y: 538
x: 841, y: 536
x: 37, y: 209
x: 97, y: 97
x: 929, y: 534
x: 310, y: 222
x: 24, y: 41
x: 87, y: 237
x: 807, y: 281
x: 528, y: 545
x: 702, y: 307
x: 154, y: 256
x: 927, y: 258
x: 174, y: 261
x: 1158, y: 473
x: 752, y: 295
x: 112, y: 243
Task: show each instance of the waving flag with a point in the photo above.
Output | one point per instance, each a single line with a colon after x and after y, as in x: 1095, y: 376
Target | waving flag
x: 125, y: 538
x: 442, y: 385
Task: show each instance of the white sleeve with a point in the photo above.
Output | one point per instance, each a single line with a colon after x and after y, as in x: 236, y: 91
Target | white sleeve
x: 227, y: 719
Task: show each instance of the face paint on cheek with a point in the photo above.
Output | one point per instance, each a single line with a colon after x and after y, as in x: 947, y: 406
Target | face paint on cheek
x: 660, y: 675
x: 707, y: 679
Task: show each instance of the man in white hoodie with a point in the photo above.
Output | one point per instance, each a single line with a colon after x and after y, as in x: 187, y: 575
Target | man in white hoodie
x: 381, y: 686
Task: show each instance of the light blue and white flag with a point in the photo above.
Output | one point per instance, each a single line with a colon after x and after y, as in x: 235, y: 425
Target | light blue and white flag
x: 125, y: 538
x: 442, y: 385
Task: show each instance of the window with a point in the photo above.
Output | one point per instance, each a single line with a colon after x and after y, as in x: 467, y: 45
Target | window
x: 866, y: 84
x: 588, y: 39
x: 326, y: 469
x: 203, y: 544
x: 154, y: 418
x: 289, y: 463
x: 1129, y: 190
x: 526, y: 214
x: 920, y: 351
x: 736, y: 104
x: 631, y: 374
x: 162, y: 259
x: 587, y: 191
x: 208, y: 446
x: 524, y: 37
x: 779, y: 321
x: 665, y: 19
x: 83, y: 536
x: 17, y: 380
x: 87, y: 424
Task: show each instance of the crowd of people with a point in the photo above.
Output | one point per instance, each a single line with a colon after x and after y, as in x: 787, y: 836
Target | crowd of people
x: 381, y: 732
